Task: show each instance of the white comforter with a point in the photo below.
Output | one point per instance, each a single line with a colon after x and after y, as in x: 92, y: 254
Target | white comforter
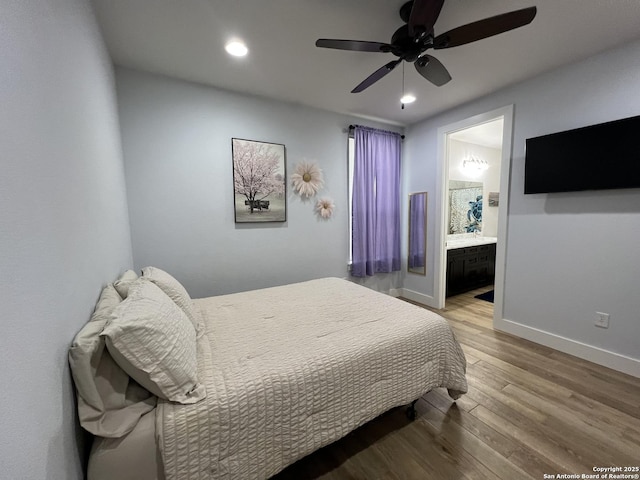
x: 290, y: 369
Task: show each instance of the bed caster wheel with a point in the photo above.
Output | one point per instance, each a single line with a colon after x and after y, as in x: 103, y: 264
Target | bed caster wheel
x: 411, y: 413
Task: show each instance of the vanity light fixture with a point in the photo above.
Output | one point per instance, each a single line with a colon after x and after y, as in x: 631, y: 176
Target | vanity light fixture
x: 236, y: 48
x: 474, y: 166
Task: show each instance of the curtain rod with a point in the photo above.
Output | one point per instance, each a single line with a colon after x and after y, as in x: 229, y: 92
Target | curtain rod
x: 351, y: 127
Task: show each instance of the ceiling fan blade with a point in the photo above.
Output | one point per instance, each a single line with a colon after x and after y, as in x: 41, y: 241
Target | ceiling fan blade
x: 355, y: 45
x: 433, y: 70
x: 485, y: 28
x: 424, y: 14
x: 375, y: 76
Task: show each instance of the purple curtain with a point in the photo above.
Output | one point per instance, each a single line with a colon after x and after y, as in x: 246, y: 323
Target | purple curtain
x: 376, y: 202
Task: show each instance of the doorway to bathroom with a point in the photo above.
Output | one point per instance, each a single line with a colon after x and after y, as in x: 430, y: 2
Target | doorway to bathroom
x: 474, y: 164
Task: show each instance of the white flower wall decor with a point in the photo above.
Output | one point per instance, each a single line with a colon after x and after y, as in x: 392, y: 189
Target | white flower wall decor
x: 307, y: 179
x: 325, y: 207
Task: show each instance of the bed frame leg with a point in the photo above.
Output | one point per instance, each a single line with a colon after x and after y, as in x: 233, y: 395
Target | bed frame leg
x: 411, y: 411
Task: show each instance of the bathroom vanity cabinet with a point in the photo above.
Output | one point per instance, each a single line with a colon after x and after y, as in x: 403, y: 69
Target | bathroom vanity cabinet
x: 470, y: 267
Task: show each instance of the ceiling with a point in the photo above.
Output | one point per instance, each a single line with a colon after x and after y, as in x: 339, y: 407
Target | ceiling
x: 185, y: 39
x: 487, y: 134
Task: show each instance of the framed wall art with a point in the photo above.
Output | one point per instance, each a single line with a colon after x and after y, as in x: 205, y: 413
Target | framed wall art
x: 259, y: 181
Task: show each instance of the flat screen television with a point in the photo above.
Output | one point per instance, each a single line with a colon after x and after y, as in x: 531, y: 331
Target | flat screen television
x: 598, y: 157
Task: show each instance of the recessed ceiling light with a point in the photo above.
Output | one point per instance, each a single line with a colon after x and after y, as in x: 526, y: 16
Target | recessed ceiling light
x: 408, y: 98
x: 236, y: 48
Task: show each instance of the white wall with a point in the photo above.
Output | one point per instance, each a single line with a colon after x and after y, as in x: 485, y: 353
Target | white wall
x: 490, y: 178
x: 570, y: 254
x: 177, y: 150
x: 64, y: 223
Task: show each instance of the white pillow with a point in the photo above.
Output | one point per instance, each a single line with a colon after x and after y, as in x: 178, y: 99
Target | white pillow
x: 110, y: 403
x: 152, y: 339
x: 123, y: 283
x: 174, y: 289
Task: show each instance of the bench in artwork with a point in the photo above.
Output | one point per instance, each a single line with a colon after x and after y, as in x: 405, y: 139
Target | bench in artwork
x: 258, y: 204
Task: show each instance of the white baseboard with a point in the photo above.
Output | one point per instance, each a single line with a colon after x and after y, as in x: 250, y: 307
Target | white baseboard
x: 427, y: 300
x: 615, y: 361
x: 395, y: 292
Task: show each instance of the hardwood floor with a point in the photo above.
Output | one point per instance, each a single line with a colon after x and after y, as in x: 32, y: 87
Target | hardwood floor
x: 530, y: 411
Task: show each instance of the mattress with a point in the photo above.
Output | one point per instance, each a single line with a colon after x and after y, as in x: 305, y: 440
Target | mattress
x: 132, y: 457
x: 293, y: 368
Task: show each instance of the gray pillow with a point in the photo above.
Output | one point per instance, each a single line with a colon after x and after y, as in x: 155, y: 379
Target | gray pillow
x: 152, y: 339
x: 123, y: 283
x: 110, y: 402
x: 174, y: 290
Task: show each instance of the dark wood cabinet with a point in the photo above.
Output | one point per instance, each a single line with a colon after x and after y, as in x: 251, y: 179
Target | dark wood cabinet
x: 470, y: 267
x: 455, y: 270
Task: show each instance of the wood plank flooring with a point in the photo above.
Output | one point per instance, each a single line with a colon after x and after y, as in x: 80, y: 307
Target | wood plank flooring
x: 530, y: 411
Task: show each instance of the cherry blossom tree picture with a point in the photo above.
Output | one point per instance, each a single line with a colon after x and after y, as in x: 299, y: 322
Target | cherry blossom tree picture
x: 259, y: 181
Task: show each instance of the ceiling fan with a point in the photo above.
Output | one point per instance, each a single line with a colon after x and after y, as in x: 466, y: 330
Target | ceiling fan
x: 410, y: 41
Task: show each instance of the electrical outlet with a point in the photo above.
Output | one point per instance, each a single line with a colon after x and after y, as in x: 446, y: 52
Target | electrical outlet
x: 602, y: 320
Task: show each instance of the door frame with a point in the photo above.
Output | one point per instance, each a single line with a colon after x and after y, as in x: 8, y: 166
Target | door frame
x: 442, y: 191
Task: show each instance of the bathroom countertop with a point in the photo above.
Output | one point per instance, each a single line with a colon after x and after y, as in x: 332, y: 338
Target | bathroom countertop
x: 469, y: 242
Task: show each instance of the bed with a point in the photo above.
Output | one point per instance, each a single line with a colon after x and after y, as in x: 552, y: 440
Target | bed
x: 286, y: 370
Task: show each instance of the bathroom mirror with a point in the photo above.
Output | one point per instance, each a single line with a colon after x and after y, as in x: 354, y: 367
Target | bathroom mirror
x: 417, y: 262
x: 465, y: 207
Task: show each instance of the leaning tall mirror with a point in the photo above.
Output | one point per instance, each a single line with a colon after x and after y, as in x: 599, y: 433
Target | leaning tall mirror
x: 417, y: 262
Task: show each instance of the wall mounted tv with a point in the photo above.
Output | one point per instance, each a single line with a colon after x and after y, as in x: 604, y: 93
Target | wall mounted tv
x: 598, y: 157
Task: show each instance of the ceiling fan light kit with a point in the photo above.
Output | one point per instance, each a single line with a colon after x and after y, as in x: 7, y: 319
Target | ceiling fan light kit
x: 408, y: 98
x: 412, y: 40
x: 236, y: 48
